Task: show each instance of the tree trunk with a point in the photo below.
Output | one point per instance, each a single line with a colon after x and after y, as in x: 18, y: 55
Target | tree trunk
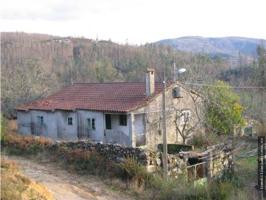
x: 184, y: 140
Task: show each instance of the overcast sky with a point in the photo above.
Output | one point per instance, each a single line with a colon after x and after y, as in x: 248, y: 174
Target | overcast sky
x: 135, y: 21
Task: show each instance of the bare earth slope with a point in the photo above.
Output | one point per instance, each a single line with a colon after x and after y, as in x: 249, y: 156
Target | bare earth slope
x: 64, y: 185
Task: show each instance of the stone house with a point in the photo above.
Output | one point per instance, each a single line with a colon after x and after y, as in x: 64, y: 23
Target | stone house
x: 126, y: 113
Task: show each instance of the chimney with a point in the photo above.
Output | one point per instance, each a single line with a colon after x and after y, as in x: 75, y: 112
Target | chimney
x: 150, y: 87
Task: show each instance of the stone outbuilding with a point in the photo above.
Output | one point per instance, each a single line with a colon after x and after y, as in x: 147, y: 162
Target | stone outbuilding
x: 125, y: 113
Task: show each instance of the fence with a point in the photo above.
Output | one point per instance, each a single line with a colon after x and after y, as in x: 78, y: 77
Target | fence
x: 213, y: 164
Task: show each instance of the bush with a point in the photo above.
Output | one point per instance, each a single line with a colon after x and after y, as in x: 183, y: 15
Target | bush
x: 84, y: 161
x: 132, y: 169
x: 134, y: 174
x: 18, y: 144
x: 223, y: 109
x: 3, y: 126
x: 204, y: 140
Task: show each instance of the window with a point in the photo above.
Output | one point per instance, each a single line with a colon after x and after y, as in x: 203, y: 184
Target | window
x: 89, y: 123
x: 108, y: 121
x: 70, y: 121
x: 185, y: 116
x: 40, y: 120
x: 177, y: 92
x: 93, y: 124
x: 123, y: 120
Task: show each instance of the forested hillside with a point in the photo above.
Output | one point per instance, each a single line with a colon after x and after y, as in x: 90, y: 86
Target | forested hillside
x: 34, y: 65
x: 227, y: 46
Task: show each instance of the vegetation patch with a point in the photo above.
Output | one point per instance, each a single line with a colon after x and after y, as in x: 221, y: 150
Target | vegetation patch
x: 129, y: 171
x: 27, y: 145
x: 201, y: 141
x: 175, y: 148
x: 223, y: 109
x: 15, y: 186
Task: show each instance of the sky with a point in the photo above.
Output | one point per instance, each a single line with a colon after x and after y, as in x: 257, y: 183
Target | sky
x: 135, y: 21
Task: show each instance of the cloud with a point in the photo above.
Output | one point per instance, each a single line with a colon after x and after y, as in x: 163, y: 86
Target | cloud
x: 56, y: 9
x: 136, y: 20
x: 45, y: 10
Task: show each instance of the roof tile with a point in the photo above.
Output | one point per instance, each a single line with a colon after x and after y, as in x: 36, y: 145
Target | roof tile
x: 109, y: 97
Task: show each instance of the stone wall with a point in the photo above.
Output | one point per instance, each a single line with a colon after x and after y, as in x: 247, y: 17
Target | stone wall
x: 214, y: 159
x: 116, y: 153
x: 219, y: 158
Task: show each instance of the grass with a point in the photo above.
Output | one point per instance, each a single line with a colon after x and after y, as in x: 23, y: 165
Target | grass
x: 15, y: 186
x: 27, y: 145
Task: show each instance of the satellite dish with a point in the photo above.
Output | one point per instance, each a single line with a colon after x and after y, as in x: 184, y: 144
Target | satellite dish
x: 181, y: 70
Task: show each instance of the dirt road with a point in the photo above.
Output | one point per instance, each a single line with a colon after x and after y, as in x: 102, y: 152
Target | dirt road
x: 64, y: 185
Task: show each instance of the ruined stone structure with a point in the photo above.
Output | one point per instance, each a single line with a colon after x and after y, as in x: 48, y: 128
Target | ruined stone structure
x: 127, y: 113
x: 210, y: 163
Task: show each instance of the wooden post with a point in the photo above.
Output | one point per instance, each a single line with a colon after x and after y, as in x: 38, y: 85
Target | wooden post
x: 165, y: 161
x: 209, y: 165
x: 195, y: 172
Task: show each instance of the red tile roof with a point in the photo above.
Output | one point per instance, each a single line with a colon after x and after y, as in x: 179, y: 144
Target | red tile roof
x: 108, y: 97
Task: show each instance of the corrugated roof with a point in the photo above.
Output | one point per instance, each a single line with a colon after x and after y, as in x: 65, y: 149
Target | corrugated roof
x: 108, y: 97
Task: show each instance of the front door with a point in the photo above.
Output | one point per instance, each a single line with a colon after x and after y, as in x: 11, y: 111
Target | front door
x: 108, y: 122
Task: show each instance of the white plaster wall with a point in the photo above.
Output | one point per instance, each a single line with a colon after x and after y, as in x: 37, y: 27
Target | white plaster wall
x: 56, y: 124
x: 139, y: 124
x: 65, y: 131
x: 49, y: 119
x: 97, y: 134
x: 117, y: 126
x: 24, y: 122
x: 118, y: 134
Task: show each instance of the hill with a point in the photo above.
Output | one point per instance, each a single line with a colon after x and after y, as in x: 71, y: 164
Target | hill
x: 35, y: 65
x: 225, y: 46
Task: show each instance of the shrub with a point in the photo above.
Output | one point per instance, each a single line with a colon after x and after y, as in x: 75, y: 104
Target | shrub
x: 133, y: 171
x: 85, y: 161
x: 204, y: 140
x: 223, y: 109
x: 19, y: 144
x: 132, y: 168
x: 3, y: 126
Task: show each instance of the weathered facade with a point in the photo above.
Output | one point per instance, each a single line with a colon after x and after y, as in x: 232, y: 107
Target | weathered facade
x: 187, y: 101
x: 124, y: 113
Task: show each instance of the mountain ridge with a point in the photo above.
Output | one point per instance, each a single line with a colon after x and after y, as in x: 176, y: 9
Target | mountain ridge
x: 227, y: 46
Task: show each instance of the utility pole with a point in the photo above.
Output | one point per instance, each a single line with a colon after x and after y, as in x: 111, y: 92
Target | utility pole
x: 165, y: 160
x: 174, y: 78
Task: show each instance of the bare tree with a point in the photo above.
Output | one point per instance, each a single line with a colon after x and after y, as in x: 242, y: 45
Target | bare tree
x: 187, y: 121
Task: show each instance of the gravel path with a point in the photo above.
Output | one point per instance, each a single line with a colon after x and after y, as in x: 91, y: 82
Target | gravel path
x: 64, y: 185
